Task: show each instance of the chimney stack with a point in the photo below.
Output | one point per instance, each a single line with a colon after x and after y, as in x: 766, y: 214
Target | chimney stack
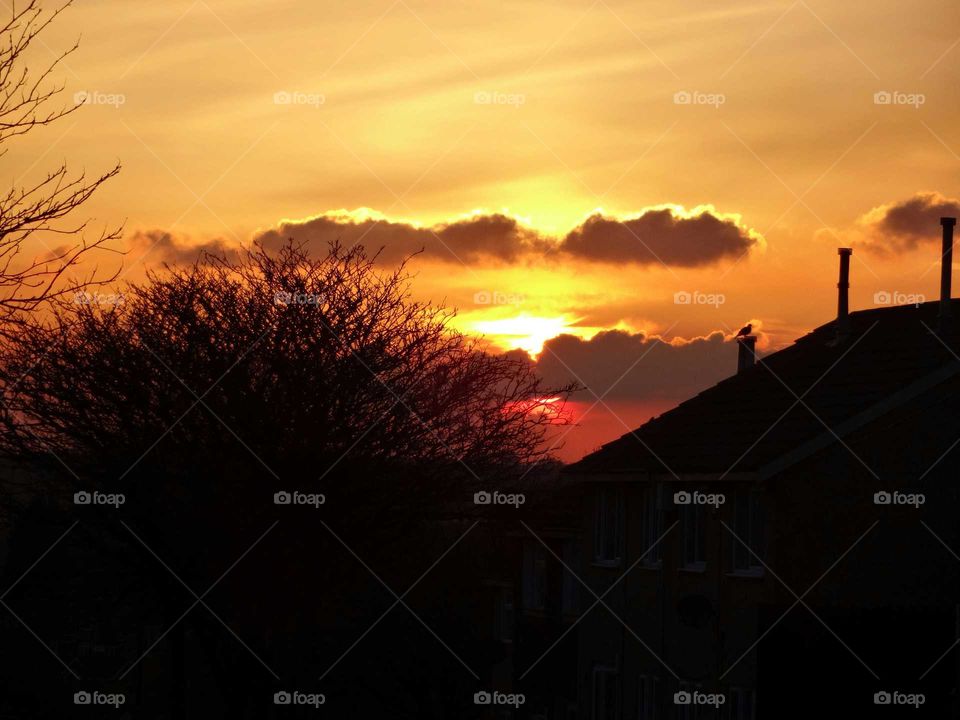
x: 843, y: 294
x: 946, y: 271
x: 746, y: 354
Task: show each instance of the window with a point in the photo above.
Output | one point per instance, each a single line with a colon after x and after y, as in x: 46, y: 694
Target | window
x: 688, y: 711
x: 505, y: 614
x: 570, y: 599
x: 651, y: 525
x: 647, y: 699
x: 741, y: 704
x: 534, y: 575
x: 608, y: 526
x: 606, y: 693
x: 748, y: 526
x: 693, y: 519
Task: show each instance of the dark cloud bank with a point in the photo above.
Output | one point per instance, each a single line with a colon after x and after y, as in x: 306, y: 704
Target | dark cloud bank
x: 903, y: 226
x: 653, y: 237
x: 619, y: 365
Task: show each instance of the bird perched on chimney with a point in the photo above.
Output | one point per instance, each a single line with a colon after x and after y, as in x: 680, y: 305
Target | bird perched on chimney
x: 745, y: 330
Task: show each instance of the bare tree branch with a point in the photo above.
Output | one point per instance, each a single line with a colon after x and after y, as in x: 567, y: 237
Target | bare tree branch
x: 27, y: 101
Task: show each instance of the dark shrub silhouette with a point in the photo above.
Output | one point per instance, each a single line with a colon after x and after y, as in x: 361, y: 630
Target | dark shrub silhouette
x: 210, y: 388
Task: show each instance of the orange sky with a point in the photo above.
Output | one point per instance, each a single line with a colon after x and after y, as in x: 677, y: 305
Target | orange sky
x: 231, y: 116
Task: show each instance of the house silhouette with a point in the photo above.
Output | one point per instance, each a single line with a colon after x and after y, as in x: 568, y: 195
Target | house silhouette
x: 786, y: 543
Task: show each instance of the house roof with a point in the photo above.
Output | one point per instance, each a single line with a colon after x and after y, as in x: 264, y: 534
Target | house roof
x: 754, y: 421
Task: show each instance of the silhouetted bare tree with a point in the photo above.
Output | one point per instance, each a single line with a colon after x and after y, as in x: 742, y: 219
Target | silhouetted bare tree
x: 299, y: 361
x: 206, y: 389
x: 41, y: 208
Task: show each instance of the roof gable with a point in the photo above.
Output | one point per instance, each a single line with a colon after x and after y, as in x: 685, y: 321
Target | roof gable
x: 791, y: 398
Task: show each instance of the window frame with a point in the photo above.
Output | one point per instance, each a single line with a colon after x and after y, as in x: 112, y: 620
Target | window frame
x: 607, y: 672
x: 608, y: 518
x: 751, y: 705
x: 648, y: 697
x: 748, y: 510
x: 651, y: 525
x: 534, y: 580
x: 569, y: 585
x: 506, y: 614
x: 693, y: 551
x: 691, y: 711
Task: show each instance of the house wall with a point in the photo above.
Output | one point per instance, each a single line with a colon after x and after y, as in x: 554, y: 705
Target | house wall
x: 879, y: 614
x: 678, y: 624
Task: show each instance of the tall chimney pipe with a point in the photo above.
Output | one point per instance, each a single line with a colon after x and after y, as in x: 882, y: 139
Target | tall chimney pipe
x: 746, y: 353
x: 946, y: 271
x: 843, y: 294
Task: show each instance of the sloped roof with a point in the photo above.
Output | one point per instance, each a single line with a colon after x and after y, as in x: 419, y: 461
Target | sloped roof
x: 754, y: 418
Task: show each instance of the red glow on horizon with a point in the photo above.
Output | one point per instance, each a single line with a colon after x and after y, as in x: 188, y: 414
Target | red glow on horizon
x: 554, y: 408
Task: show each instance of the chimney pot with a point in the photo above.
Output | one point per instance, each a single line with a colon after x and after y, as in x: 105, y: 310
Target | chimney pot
x: 843, y: 293
x: 946, y: 271
x: 746, y: 353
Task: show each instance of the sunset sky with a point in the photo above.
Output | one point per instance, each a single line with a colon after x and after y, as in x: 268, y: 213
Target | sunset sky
x: 568, y: 167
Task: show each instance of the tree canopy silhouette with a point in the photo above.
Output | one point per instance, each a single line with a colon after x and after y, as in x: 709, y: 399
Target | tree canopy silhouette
x: 292, y: 363
x: 208, y: 388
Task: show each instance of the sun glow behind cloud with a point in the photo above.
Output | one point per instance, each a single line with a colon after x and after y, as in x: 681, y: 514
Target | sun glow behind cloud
x: 528, y: 332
